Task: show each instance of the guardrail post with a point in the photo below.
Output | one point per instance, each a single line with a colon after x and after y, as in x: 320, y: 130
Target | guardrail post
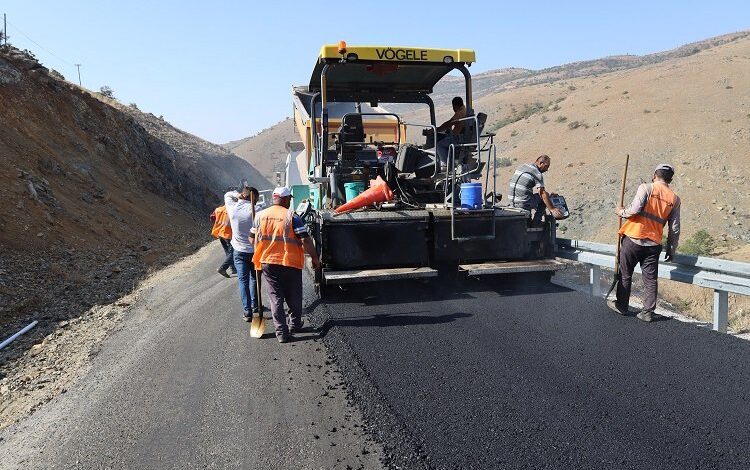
x: 596, y: 280
x: 721, y: 310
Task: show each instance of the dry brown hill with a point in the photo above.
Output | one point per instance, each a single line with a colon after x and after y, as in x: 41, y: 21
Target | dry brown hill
x: 93, y: 194
x: 693, y: 112
x: 689, y: 106
x: 265, y: 150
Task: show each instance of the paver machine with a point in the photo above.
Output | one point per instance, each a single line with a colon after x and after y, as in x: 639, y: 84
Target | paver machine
x: 445, y: 215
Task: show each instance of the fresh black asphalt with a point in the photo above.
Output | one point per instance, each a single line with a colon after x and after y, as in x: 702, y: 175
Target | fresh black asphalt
x: 483, y: 374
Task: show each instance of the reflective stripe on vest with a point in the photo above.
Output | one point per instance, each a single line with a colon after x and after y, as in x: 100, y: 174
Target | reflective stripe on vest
x: 650, y: 222
x: 222, y: 228
x: 276, y: 243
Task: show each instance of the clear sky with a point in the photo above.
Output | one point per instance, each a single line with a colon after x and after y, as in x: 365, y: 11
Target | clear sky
x: 223, y: 70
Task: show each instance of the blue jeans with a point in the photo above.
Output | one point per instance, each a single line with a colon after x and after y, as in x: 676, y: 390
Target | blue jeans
x: 443, y: 146
x: 246, y: 276
x: 229, y: 251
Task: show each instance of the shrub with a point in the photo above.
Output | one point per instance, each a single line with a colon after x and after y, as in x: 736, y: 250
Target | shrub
x: 107, y: 91
x: 574, y: 125
x: 516, y: 115
x: 544, y: 119
x: 561, y: 119
x: 572, y: 88
x: 514, y: 133
x: 700, y: 244
x: 503, y: 161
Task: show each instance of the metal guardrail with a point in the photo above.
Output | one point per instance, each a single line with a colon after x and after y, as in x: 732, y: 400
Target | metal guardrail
x: 720, y: 275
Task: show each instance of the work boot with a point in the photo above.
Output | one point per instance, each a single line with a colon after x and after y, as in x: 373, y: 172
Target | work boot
x: 617, y: 307
x: 646, y: 315
x: 223, y: 272
x: 247, y: 316
x: 296, y: 328
x: 284, y: 338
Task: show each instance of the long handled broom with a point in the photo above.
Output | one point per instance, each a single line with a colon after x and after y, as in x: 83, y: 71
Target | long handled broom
x: 619, y: 225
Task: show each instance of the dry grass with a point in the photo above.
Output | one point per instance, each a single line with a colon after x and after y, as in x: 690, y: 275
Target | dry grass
x: 698, y: 302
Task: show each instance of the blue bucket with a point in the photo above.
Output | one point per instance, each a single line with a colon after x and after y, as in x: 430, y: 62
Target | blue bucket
x: 471, y: 196
x: 353, y: 189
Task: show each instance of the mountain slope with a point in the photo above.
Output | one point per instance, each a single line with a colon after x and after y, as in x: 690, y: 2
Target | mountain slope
x: 693, y: 112
x: 93, y: 194
x: 688, y: 106
x: 265, y: 150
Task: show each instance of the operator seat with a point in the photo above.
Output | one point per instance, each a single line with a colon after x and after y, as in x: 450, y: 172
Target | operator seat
x: 351, y: 135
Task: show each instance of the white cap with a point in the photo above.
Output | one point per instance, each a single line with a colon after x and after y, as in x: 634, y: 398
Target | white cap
x: 282, y: 191
x: 664, y: 166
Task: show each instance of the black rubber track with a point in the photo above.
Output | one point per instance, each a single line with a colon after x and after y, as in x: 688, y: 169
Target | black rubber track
x: 483, y: 374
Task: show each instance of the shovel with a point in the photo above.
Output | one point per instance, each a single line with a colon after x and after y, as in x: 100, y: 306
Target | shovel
x: 619, y: 225
x: 258, y: 325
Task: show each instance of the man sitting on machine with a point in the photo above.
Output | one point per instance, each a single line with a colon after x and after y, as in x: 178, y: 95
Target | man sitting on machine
x: 522, y: 184
x: 449, y: 130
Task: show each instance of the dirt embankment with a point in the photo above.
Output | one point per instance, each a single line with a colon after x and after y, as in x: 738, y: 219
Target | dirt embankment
x: 93, y: 195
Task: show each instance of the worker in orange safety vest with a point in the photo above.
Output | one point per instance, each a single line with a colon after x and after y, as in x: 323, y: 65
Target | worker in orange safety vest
x: 222, y: 230
x: 281, y: 241
x: 654, y: 206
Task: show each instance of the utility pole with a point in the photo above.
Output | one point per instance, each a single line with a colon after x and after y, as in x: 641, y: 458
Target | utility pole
x: 5, y: 29
x: 78, y: 66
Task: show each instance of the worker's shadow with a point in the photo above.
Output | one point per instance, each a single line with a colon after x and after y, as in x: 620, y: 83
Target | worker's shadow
x: 384, y: 320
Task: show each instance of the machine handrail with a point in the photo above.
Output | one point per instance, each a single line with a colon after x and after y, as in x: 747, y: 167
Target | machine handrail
x: 398, y: 123
x: 434, y: 133
x: 451, y: 160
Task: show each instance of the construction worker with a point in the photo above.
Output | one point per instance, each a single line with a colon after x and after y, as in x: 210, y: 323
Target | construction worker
x: 654, y: 206
x: 524, y: 181
x: 222, y: 230
x: 281, y: 239
x: 241, y: 207
x: 450, y: 129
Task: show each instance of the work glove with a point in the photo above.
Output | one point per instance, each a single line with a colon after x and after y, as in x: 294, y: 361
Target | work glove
x: 669, y: 256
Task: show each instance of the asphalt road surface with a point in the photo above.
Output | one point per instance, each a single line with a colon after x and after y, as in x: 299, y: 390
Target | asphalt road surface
x: 443, y: 374
x: 183, y: 385
x: 477, y: 375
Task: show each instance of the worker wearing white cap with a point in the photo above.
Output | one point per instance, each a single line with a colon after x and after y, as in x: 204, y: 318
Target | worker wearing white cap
x: 654, y: 206
x: 281, y: 240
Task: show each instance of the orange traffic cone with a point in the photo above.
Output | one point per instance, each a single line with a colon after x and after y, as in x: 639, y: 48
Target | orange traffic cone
x: 378, y: 192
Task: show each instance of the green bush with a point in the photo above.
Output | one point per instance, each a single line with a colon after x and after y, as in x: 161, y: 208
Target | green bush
x: 107, y: 91
x: 503, y: 161
x: 700, y: 244
x: 518, y: 115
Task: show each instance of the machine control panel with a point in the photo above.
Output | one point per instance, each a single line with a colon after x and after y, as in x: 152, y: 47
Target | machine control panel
x: 559, y: 202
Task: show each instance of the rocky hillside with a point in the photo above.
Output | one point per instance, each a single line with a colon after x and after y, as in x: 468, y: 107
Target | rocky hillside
x: 93, y: 194
x: 265, y: 150
x: 497, y: 81
x: 692, y: 111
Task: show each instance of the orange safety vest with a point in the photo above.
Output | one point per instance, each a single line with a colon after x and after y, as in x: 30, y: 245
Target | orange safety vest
x: 275, y: 241
x: 222, y: 227
x: 650, y: 221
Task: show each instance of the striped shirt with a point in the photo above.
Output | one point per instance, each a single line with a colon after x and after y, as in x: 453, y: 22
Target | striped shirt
x: 522, y: 184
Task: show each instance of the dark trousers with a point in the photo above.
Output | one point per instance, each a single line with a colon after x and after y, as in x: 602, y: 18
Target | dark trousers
x: 631, y: 254
x: 284, y: 284
x: 229, y: 251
